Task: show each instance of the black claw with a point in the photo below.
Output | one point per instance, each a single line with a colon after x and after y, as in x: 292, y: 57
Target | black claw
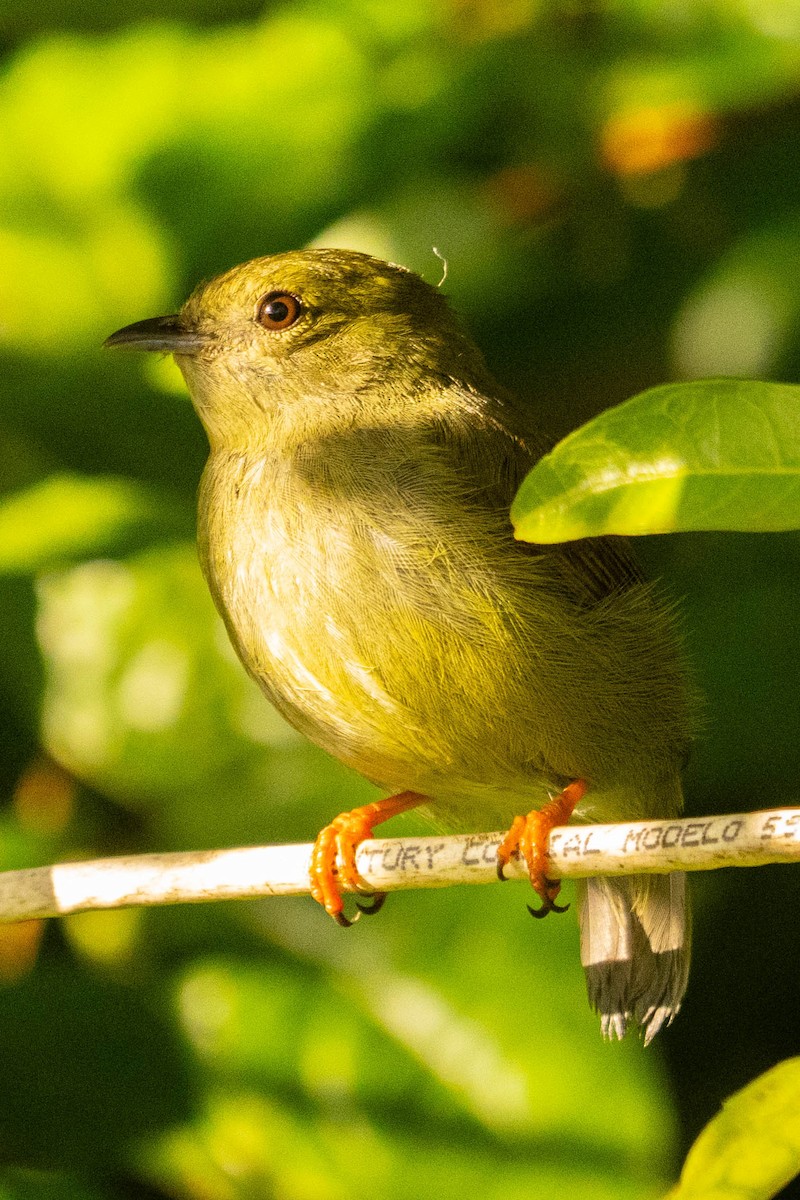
x: 500, y: 868
x: 547, y: 906
x: 344, y: 921
x: 376, y: 903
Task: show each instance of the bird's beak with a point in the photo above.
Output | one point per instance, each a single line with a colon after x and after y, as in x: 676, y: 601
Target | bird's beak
x: 158, y: 333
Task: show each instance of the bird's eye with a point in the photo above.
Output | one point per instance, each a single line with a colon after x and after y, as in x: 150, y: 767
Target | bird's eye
x: 278, y: 310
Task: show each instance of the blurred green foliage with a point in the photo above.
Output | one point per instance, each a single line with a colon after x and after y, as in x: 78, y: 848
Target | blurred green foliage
x: 614, y: 187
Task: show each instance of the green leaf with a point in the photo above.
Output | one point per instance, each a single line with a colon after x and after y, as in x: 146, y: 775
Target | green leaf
x: 67, y: 517
x: 751, y: 1149
x: 715, y: 454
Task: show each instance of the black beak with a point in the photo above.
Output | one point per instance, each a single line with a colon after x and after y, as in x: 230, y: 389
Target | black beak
x: 158, y: 333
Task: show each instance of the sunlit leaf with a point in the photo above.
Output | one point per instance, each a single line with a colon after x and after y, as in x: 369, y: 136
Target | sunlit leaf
x: 716, y: 454
x: 751, y: 1149
x: 108, y: 266
x: 66, y: 517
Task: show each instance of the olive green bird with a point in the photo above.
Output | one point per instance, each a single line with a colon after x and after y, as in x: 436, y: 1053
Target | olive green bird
x: 354, y: 532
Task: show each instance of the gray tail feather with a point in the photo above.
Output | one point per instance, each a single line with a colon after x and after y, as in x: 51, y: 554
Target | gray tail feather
x: 635, y: 947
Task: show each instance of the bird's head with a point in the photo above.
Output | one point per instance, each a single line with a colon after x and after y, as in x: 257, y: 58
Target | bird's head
x: 304, y: 339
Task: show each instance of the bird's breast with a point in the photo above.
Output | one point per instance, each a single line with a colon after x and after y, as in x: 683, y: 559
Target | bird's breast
x: 364, y: 626
x: 305, y: 605
x: 400, y: 628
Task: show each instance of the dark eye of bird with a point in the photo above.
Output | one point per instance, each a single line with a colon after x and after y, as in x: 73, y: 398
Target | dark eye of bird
x: 278, y: 310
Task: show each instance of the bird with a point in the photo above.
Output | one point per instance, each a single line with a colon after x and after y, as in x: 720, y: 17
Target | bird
x: 354, y: 531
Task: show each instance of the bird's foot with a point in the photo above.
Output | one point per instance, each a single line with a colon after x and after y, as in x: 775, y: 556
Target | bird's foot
x: 333, y: 859
x: 528, y: 835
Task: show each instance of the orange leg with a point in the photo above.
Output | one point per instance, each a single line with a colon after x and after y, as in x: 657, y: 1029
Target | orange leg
x: 340, y: 840
x: 529, y: 835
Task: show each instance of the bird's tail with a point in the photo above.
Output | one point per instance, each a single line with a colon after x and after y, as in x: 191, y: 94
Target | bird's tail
x: 635, y: 947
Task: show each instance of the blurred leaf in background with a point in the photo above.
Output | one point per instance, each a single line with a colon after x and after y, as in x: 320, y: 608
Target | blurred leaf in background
x: 614, y: 188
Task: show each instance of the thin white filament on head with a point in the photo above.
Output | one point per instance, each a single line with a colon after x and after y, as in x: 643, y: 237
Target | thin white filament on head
x: 442, y: 260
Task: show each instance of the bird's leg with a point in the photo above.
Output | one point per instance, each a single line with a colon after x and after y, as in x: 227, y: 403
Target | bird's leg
x: 340, y: 840
x: 529, y: 835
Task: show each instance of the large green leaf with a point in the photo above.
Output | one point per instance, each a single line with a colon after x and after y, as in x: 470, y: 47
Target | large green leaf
x: 751, y: 1149
x: 714, y: 454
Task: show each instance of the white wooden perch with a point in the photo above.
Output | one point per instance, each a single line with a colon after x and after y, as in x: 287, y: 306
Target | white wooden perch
x: 389, y: 864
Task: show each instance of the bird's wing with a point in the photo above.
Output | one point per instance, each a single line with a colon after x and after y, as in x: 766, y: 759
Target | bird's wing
x: 494, y: 452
